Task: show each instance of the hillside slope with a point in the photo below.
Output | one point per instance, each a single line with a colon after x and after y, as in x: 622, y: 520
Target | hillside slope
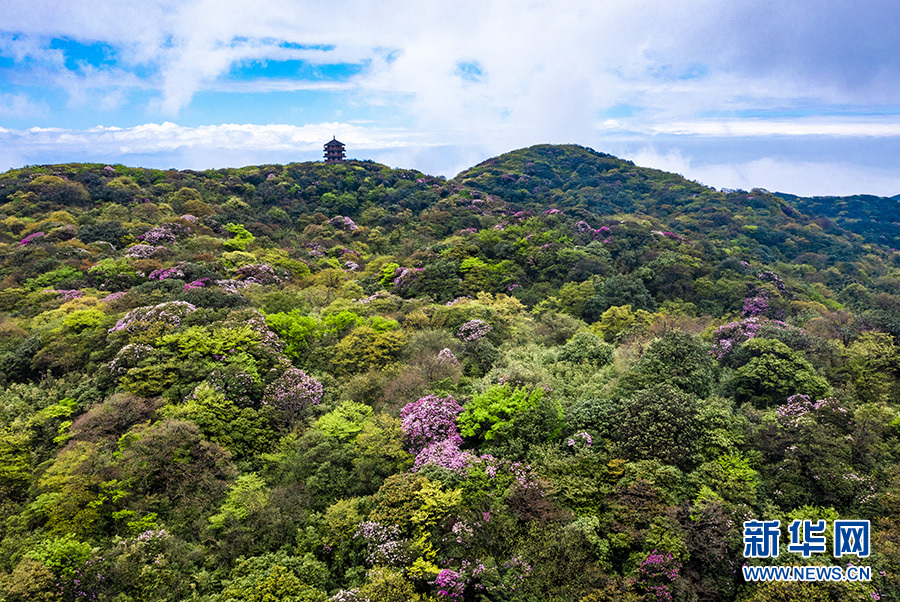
x: 556, y: 376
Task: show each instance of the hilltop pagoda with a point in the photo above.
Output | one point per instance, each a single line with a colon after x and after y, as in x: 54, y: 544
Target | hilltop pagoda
x: 334, y: 151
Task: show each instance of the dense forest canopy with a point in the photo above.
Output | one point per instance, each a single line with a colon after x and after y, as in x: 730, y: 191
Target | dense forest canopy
x: 557, y: 376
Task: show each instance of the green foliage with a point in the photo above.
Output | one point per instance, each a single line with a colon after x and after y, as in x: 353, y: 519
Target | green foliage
x: 52, y: 278
x: 488, y: 413
x: 660, y: 422
x: 620, y: 320
x: 243, y: 431
x: 203, y: 341
x: 586, y: 347
x: 872, y: 362
x: 241, y: 237
x: 63, y: 555
x: 773, y: 373
x: 160, y: 448
x: 267, y: 578
x: 248, y: 495
x: 15, y: 463
x: 298, y: 331
x: 677, y: 358
x: 616, y: 291
x: 365, y: 348
x: 345, y: 421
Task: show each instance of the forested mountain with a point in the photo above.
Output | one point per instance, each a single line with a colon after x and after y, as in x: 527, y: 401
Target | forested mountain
x: 875, y: 218
x: 557, y: 376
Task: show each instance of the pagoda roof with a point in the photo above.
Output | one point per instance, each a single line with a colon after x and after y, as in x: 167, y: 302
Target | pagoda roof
x: 334, y: 142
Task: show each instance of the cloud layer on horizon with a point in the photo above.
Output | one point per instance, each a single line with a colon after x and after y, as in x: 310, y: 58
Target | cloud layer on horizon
x: 476, y: 78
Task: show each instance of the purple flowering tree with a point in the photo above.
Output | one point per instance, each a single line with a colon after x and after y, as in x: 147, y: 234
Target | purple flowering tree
x: 450, y: 584
x: 384, y: 546
x: 801, y: 410
x: 293, y: 391
x: 430, y: 419
x: 656, y: 573
x: 445, y: 454
x: 170, y: 313
x: 473, y: 330
x: 258, y: 273
x: 343, y: 223
x: 30, y: 239
x: 142, y: 251
x: 445, y: 356
x: 164, y: 273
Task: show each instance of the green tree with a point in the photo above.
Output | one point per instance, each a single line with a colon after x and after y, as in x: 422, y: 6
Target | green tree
x: 488, y: 413
x: 345, y: 421
x: 586, y: 348
x: 677, y: 358
x: 618, y: 290
x: 662, y: 423
x: 773, y: 373
x: 242, y: 237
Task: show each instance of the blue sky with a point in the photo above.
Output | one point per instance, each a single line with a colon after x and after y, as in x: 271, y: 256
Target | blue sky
x: 797, y: 97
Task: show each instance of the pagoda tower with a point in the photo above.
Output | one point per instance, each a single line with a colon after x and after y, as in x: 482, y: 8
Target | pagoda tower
x: 334, y: 151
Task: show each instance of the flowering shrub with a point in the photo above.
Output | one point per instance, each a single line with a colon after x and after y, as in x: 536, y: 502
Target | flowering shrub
x: 798, y: 410
x: 149, y: 536
x: 446, y: 356
x: 405, y: 276
x: 429, y: 420
x: 293, y: 391
x: 450, y: 584
x: 774, y: 279
x: 258, y: 273
x: 755, y: 306
x: 128, y: 357
x: 30, y: 239
x: 66, y: 295
x: 582, y: 437
x: 669, y: 235
x: 729, y: 337
x: 170, y: 313
x: 348, y: 595
x: 503, y: 473
x: 158, y: 235
x: 445, y: 454
x: 142, y: 251
x: 196, y: 284
x: 114, y: 296
x: 232, y: 286
x: 494, y: 581
x: 345, y: 223
x: 655, y: 573
x: 164, y: 273
x: 384, y: 546
x: 473, y: 330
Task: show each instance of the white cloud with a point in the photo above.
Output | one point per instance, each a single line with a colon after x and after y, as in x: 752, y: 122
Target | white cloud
x: 547, y: 72
x: 843, y: 127
x: 670, y: 58
x: 806, y: 178
x: 19, y: 105
x: 207, y: 146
